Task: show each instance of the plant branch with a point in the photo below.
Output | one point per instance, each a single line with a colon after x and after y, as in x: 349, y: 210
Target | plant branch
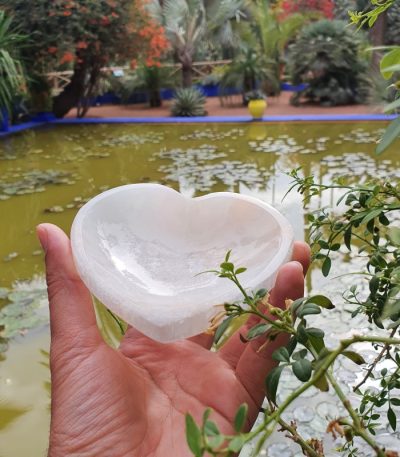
x: 298, y: 439
x: 376, y: 361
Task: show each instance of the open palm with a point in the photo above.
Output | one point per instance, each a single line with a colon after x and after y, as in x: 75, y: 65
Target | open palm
x: 132, y: 401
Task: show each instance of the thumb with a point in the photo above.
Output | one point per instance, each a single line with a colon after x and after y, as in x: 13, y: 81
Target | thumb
x: 72, y: 316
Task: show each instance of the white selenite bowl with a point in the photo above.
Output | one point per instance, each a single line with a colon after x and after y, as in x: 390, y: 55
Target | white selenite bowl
x: 139, y: 249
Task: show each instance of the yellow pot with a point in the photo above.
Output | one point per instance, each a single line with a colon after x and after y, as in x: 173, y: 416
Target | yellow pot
x: 257, y: 108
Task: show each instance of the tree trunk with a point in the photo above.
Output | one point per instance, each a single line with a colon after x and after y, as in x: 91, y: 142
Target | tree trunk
x: 72, y: 93
x: 89, y: 91
x: 377, y: 35
x: 155, y: 98
x: 187, y: 77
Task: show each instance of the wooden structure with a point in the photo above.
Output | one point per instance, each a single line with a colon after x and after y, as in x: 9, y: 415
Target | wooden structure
x: 59, y: 79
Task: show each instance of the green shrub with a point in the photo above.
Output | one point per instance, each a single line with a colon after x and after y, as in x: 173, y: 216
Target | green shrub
x: 188, y: 102
x: 393, y: 24
x: 326, y: 57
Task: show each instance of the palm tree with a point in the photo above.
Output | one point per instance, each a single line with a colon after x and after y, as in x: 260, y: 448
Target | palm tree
x: 263, y: 42
x: 11, y: 72
x: 191, y: 23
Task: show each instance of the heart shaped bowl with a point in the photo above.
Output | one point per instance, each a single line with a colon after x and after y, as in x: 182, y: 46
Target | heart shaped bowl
x: 140, y: 248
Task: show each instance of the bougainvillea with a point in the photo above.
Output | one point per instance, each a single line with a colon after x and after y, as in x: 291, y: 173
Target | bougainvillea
x: 85, y: 36
x: 324, y: 7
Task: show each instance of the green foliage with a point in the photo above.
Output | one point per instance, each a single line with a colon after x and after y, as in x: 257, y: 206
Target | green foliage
x: 326, y: 58
x: 191, y: 25
x: 188, y: 102
x: 260, y: 56
x: 12, y: 79
x: 83, y: 36
x: 393, y: 21
x: 370, y: 15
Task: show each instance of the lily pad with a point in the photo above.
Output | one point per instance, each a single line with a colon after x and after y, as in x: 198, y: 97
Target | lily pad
x: 26, y: 308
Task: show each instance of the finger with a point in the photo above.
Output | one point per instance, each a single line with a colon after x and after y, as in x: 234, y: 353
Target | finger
x: 254, y: 364
x: 72, y: 316
x: 233, y: 349
x: 302, y: 254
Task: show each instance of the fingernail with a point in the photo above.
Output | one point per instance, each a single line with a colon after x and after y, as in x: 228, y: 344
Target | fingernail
x: 42, y: 235
x: 298, y: 263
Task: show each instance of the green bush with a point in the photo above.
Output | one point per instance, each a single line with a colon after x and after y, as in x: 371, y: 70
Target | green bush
x: 393, y: 24
x: 326, y: 57
x: 188, y: 102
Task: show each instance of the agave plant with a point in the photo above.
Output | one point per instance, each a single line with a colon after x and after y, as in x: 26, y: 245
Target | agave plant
x: 191, y: 23
x: 188, y: 102
x: 326, y: 57
x: 11, y: 71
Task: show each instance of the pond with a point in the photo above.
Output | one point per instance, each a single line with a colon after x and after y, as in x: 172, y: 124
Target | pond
x: 47, y: 174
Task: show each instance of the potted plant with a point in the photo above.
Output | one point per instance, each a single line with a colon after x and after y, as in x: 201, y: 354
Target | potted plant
x: 256, y: 103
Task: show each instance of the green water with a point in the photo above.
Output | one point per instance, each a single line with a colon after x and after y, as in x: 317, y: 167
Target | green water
x: 45, y: 175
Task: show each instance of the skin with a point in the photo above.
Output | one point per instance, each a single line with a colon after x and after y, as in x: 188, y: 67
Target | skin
x: 132, y: 401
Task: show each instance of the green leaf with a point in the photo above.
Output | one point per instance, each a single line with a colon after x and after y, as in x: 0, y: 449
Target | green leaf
x: 281, y: 355
x: 395, y: 401
x: 216, y: 441
x: 240, y: 418
x: 227, y: 256
x: 236, y: 444
x: 347, y: 238
x: 300, y: 354
x: 326, y: 266
x: 391, y: 133
x: 291, y: 346
x: 296, y: 304
x: 193, y: 436
x: 206, y: 415
x: 392, y: 106
x: 302, y: 369
x: 257, y: 331
x: 210, y: 428
x: 389, y: 60
x: 316, y: 332
x: 228, y: 266
x: 221, y: 329
x: 261, y: 293
x: 391, y: 415
x: 371, y: 215
x: 354, y: 357
x: 322, y: 301
x: 301, y: 334
x: 272, y: 382
x: 322, y: 384
x: 240, y: 270
x: 308, y: 308
x: 394, y: 235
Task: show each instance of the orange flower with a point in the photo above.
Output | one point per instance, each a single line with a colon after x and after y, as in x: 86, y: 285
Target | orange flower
x: 67, y: 58
x: 133, y: 64
x: 52, y: 49
x: 67, y: 13
x: 114, y: 14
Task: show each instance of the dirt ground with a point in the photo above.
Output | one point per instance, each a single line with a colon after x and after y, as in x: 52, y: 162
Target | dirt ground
x: 232, y: 107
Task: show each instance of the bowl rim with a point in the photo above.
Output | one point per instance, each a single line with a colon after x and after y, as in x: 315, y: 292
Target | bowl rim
x: 283, y: 254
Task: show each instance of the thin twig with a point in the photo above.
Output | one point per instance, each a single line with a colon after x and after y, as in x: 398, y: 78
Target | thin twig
x: 299, y: 440
x: 376, y: 361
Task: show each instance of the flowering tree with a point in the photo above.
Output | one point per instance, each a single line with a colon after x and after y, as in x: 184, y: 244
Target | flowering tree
x: 84, y: 36
x: 324, y: 7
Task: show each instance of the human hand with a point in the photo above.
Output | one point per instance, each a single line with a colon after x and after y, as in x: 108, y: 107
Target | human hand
x: 132, y: 402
